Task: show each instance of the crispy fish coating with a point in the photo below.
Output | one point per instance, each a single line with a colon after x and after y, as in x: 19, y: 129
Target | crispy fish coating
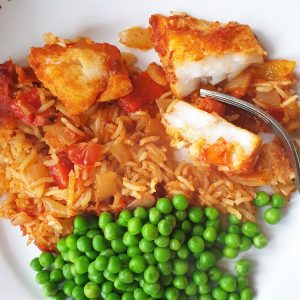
x: 81, y: 73
x: 194, y: 51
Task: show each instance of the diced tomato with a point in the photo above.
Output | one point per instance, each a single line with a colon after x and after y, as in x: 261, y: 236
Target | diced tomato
x: 145, y: 91
x: 45, y: 118
x: 210, y: 105
x: 84, y: 154
x: 60, y: 171
x: 278, y: 114
x: 6, y: 91
x: 30, y: 96
x: 24, y: 111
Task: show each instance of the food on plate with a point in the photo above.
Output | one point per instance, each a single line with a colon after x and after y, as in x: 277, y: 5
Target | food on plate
x: 194, y: 51
x: 89, y: 142
x: 211, y: 139
x: 80, y: 73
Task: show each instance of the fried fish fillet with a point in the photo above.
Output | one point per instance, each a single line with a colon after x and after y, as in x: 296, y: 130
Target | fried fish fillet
x: 194, y: 51
x: 80, y: 73
x: 211, y: 139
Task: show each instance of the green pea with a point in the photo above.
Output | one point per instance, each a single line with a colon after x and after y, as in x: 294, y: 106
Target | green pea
x: 272, y: 215
x: 91, y: 254
x: 261, y: 199
x: 61, y: 245
x: 64, y: 255
x: 141, y: 212
x: 196, y: 244
x: 151, y: 274
x: 56, y: 275
x: 233, y: 296
x: 124, y: 259
x: 243, y: 267
x: 195, y: 214
x: 96, y: 278
x: 162, y: 241
x: 171, y: 293
x: 183, y: 252
x: 175, y: 245
x: 151, y: 289
x: 134, y: 250
x: 67, y: 271
x: 35, y: 265
x: 93, y: 232
x: 211, y: 213
x: 124, y: 217
x: 214, y: 274
x: 73, y: 255
x: 154, y: 216
x: 232, y: 240
x: 246, y: 243
x: 260, y: 241
x: 166, y: 280
x: 180, y: 282
x: 78, y: 293
x: 114, y: 264
x: 59, y: 296
x: 172, y: 219
x: 81, y: 279
x: 198, y: 230
x: 228, y: 283
x: 81, y: 224
x: 46, y: 259
x: 278, y: 201
x: 230, y: 252
x: 71, y: 241
x: 134, y: 226
x: 250, y: 229
x: 112, y: 231
x: 206, y: 297
x: 242, y: 282
x: 42, y: 277
x: 137, y: 264
x: 191, y: 289
x: 181, y: 215
x: 104, y: 219
x: 68, y: 287
x: 165, y: 268
x: 180, y: 267
x: 146, y: 246
x: 101, y: 262
x: 204, y: 289
x: 186, y: 226
x: 206, y: 260
x: 127, y: 296
x: 59, y: 262
x: 219, y: 294
x: 236, y: 229
x: 149, y: 232
x: 130, y: 240
x: 162, y: 254
x: 221, y: 237
x: 110, y: 276
x: 107, y: 287
x: 200, y: 277
x: 82, y: 265
x: 92, y: 290
x: 126, y: 276
x: 118, y: 246
x: 84, y: 244
x: 247, y: 294
x: 49, y: 289
x: 150, y: 258
x: 107, y: 252
x: 180, y: 202
x: 164, y: 227
x: 179, y: 235
x: 139, y: 294
x: 210, y: 234
x: 214, y: 223
x: 233, y: 219
x: 164, y: 205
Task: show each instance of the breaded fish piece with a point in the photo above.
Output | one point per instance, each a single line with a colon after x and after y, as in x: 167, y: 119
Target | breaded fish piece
x: 211, y: 139
x: 81, y: 73
x: 194, y: 51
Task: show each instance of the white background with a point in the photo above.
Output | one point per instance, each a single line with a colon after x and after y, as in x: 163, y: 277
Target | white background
x: 276, y: 23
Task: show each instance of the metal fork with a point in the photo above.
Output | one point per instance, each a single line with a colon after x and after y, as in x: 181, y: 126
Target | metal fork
x: 275, y: 126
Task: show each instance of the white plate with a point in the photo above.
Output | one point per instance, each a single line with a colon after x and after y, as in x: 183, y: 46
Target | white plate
x: 22, y: 24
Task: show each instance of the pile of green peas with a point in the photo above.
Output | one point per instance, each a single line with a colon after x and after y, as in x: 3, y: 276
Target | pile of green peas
x: 169, y: 251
